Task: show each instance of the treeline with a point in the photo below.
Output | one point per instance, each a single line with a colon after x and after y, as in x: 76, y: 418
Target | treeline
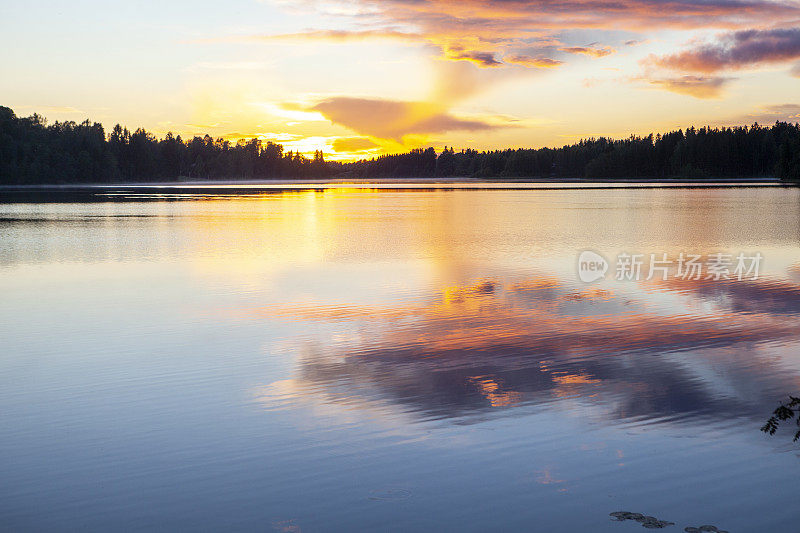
x: 739, y: 152
x: 33, y: 152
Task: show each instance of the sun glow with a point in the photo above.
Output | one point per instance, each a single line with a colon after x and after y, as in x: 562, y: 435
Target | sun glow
x: 359, y: 79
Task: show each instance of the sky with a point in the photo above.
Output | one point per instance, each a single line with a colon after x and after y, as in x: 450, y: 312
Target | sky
x: 359, y: 78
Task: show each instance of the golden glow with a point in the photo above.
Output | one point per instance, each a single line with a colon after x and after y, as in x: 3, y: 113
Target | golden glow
x: 507, y: 74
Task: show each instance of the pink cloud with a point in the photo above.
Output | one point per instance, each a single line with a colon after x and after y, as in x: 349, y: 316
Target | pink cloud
x: 484, y: 32
x: 735, y: 50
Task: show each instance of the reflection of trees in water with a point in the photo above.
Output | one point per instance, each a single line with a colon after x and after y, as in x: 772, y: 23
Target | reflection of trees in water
x: 651, y: 522
x: 486, y: 347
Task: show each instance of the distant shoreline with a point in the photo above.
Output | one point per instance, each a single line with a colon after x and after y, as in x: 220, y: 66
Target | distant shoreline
x: 187, y: 191
x: 404, y: 183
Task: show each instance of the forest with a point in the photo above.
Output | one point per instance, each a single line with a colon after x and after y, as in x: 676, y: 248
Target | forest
x: 35, y: 152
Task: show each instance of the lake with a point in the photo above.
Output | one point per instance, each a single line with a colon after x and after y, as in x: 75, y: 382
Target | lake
x: 353, y: 359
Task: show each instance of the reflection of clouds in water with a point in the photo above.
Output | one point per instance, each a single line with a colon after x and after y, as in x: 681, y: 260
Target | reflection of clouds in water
x: 286, y: 526
x: 794, y: 272
x: 489, y: 346
x: 759, y: 296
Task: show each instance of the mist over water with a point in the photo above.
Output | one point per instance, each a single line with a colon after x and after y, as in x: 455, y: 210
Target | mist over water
x: 398, y: 360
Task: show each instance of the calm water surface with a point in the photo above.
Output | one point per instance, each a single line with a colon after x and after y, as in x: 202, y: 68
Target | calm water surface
x: 385, y: 360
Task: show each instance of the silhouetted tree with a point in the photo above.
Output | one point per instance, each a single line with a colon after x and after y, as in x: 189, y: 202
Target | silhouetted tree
x: 31, y: 151
x: 696, y: 153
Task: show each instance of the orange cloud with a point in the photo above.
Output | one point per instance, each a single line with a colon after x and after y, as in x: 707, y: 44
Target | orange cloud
x: 391, y: 119
x: 484, y: 59
x: 530, y: 61
x: 590, y: 50
x: 697, y: 86
x: 511, y: 18
x: 483, y: 32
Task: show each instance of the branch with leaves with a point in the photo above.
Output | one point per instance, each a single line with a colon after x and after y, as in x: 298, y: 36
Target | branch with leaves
x: 786, y: 411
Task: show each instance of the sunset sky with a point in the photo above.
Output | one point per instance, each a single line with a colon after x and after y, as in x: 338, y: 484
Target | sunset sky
x: 363, y: 77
